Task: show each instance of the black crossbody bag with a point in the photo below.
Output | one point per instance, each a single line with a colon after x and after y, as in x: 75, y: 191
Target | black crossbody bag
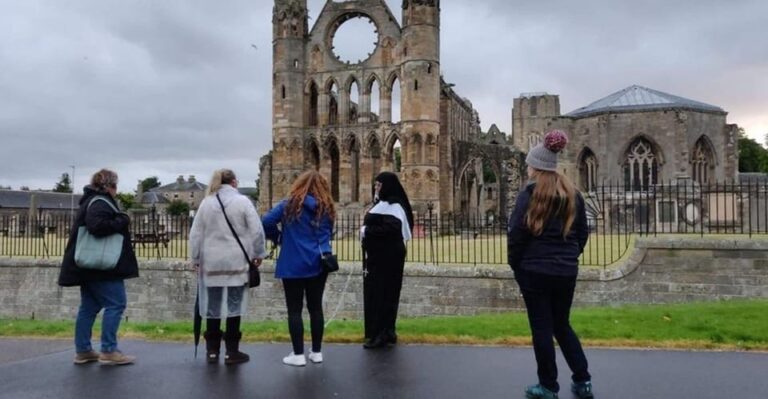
x: 328, y: 261
x: 254, y: 278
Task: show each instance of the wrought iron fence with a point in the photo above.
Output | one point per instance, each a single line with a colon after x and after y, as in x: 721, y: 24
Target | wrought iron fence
x: 615, y: 217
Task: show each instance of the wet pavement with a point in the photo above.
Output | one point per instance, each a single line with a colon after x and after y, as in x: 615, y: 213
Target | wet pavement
x: 44, y: 369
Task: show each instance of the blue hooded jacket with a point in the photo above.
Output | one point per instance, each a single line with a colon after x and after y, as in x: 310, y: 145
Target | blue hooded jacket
x: 302, y: 240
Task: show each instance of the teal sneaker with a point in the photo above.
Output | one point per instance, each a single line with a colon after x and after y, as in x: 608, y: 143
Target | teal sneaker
x: 582, y: 390
x: 539, y: 392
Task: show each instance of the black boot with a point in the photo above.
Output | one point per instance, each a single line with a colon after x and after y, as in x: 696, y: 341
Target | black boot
x: 380, y: 341
x: 232, y: 341
x: 212, y: 345
x: 391, y: 336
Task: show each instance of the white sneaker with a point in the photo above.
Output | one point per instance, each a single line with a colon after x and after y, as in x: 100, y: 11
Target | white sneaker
x: 315, y: 357
x: 295, y: 360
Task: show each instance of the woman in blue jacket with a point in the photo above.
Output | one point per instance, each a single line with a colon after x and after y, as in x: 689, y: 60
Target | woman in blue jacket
x: 305, y: 223
x: 546, y: 234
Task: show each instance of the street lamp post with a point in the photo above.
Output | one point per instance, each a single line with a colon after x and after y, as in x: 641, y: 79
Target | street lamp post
x: 72, y: 196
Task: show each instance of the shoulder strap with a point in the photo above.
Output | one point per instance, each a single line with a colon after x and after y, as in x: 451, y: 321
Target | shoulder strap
x: 245, y: 253
x: 102, y: 198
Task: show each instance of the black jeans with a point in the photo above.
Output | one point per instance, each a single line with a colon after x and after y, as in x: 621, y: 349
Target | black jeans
x: 295, y: 290
x: 548, y: 300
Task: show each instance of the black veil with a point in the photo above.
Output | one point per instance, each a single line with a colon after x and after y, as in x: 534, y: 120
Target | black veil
x: 394, y: 193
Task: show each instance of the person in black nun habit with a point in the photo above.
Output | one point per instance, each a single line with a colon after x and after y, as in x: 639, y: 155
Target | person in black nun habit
x: 386, y: 228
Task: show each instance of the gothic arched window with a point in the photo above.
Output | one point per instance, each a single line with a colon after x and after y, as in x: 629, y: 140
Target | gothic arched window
x: 333, y: 105
x: 588, y: 170
x: 641, y: 166
x: 702, y: 161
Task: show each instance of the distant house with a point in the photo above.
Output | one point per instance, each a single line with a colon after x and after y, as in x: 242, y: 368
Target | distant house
x: 190, y: 191
x: 14, y: 202
x: 152, y: 199
x: 22, y: 211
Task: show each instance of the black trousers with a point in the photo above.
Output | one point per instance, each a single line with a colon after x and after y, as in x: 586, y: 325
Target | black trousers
x: 295, y: 291
x: 382, y: 283
x: 234, y: 304
x: 548, y: 300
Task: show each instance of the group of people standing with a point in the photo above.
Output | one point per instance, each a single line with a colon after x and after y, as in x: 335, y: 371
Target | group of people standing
x: 302, y: 225
x: 547, y: 232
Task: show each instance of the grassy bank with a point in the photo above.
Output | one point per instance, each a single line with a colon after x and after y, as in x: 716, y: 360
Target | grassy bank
x: 739, y: 325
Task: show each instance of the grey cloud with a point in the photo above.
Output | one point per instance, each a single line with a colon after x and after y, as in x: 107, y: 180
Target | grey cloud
x: 174, y: 87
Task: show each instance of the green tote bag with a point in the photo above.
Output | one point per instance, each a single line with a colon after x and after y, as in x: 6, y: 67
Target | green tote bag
x: 97, y: 253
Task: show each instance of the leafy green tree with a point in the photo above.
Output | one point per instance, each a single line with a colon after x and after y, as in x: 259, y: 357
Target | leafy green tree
x: 752, y: 156
x: 178, y: 208
x: 398, y: 159
x: 150, y: 183
x: 127, y: 200
x: 489, y: 176
x: 64, y: 185
x: 258, y: 189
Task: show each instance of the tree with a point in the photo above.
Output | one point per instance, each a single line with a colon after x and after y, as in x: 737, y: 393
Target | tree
x: 752, y: 156
x: 258, y: 188
x: 398, y: 159
x: 178, y: 208
x: 64, y: 185
x: 127, y: 200
x: 150, y: 183
x: 489, y: 176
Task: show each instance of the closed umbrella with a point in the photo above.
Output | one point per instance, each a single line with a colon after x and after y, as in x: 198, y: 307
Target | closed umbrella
x: 198, y: 320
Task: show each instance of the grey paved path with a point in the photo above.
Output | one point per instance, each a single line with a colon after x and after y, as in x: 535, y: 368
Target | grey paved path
x: 43, y: 369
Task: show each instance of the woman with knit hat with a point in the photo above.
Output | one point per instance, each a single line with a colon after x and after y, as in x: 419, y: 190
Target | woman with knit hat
x: 546, y: 234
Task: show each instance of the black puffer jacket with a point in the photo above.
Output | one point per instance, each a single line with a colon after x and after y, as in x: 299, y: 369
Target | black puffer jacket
x: 548, y: 253
x: 100, y: 220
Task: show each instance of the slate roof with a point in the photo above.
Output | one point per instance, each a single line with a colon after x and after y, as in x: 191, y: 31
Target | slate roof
x: 181, y: 186
x: 45, y: 199
x: 639, y: 98
x: 152, y: 197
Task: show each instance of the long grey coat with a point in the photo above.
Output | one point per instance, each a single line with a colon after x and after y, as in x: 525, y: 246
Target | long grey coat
x: 212, y: 244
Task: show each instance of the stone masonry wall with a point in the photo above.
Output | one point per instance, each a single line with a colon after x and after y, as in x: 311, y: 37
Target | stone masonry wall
x: 658, y: 271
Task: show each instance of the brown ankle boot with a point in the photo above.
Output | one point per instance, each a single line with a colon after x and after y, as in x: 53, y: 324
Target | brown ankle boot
x: 212, y: 345
x: 232, y: 341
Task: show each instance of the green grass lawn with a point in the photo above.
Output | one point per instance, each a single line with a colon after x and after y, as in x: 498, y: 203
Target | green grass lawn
x: 741, y: 325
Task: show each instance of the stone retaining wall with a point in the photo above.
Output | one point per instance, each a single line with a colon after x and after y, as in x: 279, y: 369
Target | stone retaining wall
x: 657, y: 271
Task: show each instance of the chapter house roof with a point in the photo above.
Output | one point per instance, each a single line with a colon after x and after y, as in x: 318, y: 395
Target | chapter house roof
x: 639, y: 98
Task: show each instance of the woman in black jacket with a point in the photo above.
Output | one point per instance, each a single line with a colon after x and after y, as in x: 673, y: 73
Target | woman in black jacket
x: 100, y: 289
x: 547, y: 233
x: 387, y: 226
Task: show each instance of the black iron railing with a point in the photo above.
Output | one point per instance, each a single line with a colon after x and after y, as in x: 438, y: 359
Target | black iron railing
x: 615, y: 217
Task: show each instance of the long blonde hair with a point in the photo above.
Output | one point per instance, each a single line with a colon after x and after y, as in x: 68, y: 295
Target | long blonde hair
x: 220, y: 177
x: 313, y: 183
x: 554, y: 195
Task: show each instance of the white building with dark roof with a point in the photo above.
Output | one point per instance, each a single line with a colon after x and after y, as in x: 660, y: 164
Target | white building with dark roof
x: 190, y: 191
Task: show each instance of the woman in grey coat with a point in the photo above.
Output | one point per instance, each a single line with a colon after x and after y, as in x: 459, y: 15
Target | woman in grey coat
x: 222, y: 268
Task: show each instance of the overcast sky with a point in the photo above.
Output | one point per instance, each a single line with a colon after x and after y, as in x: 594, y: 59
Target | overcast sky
x: 150, y: 87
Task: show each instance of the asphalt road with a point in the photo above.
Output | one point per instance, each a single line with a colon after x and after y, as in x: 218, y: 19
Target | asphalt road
x: 44, y: 369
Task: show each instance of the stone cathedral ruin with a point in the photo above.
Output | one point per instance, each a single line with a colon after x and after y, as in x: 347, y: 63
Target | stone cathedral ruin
x: 337, y: 116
